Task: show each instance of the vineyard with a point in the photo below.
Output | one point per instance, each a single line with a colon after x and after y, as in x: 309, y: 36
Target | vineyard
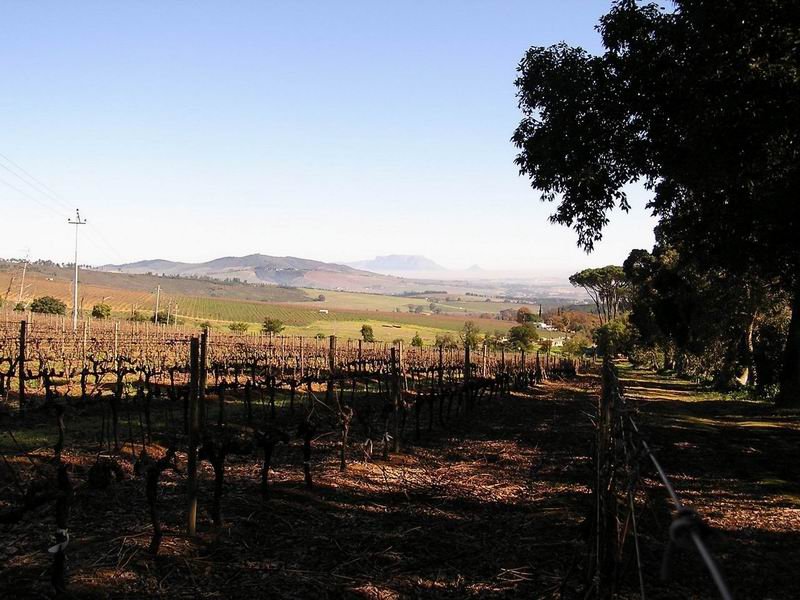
x: 139, y: 401
x: 141, y: 460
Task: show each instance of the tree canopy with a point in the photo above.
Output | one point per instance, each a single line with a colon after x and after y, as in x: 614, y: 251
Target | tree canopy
x: 606, y: 287
x: 702, y: 104
x: 272, y: 326
x: 523, y: 336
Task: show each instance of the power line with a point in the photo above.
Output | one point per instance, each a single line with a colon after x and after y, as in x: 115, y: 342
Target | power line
x: 37, y: 200
x: 54, y: 203
x: 44, y: 188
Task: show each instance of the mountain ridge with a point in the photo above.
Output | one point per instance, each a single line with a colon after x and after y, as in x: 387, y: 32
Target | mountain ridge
x: 391, y: 263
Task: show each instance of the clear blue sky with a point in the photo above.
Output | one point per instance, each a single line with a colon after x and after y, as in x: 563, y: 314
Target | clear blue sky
x: 328, y: 130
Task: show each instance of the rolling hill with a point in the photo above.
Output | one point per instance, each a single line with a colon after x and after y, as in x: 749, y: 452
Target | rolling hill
x: 271, y: 270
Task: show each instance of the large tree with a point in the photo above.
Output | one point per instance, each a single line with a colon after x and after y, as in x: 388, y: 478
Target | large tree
x: 606, y: 286
x: 711, y: 315
x: 702, y: 104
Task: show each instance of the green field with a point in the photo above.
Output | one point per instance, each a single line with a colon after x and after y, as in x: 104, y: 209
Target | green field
x: 221, y: 304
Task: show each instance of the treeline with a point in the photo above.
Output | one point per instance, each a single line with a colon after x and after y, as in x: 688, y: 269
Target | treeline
x: 662, y: 310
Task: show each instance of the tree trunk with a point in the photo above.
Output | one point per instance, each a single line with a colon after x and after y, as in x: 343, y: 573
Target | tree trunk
x: 747, y: 374
x: 790, y: 375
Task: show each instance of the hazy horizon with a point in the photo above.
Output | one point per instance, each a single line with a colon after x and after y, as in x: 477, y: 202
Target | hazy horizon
x: 186, y: 132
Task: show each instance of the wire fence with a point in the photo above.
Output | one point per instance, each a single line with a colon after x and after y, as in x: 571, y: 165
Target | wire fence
x: 621, y: 455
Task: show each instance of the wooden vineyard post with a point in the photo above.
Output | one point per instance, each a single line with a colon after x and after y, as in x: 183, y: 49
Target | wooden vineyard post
x: 467, y: 368
x: 331, y: 367
x: 302, y: 371
x: 483, y: 367
x: 283, y: 354
x: 401, y: 365
x: 396, y: 398
x: 23, y: 326
x: 203, y: 375
x: 441, y: 367
x: 194, y: 388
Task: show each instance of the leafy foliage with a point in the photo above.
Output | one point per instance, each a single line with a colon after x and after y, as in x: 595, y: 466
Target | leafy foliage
x: 367, y: 333
x: 702, y: 104
x: 445, y: 340
x: 577, y: 345
x: 272, y: 325
x: 522, y: 337
x: 606, y: 287
x: 470, y: 335
x: 48, y: 305
x: 101, y: 310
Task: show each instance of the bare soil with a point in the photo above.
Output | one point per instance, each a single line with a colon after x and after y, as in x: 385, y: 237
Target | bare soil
x: 493, y: 507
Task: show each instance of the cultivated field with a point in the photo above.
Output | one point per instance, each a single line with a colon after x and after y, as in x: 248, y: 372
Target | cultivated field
x: 220, y: 304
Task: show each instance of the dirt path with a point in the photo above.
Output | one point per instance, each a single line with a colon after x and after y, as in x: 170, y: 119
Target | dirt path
x: 735, y: 462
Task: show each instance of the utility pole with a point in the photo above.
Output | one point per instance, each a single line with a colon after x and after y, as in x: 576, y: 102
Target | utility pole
x: 22, y: 285
x: 76, y: 222
x: 158, y: 297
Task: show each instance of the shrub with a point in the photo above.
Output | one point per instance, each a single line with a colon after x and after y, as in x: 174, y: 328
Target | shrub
x: 367, y: 334
x: 101, y: 310
x: 48, y: 305
x: 238, y: 326
x: 522, y: 336
x: 577, y: 345
x: 445, y: 340
x: 612, y: 338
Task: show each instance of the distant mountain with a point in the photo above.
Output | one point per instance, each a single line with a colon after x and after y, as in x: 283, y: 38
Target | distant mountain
x: 394, y: 263
x: 270, y: 270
